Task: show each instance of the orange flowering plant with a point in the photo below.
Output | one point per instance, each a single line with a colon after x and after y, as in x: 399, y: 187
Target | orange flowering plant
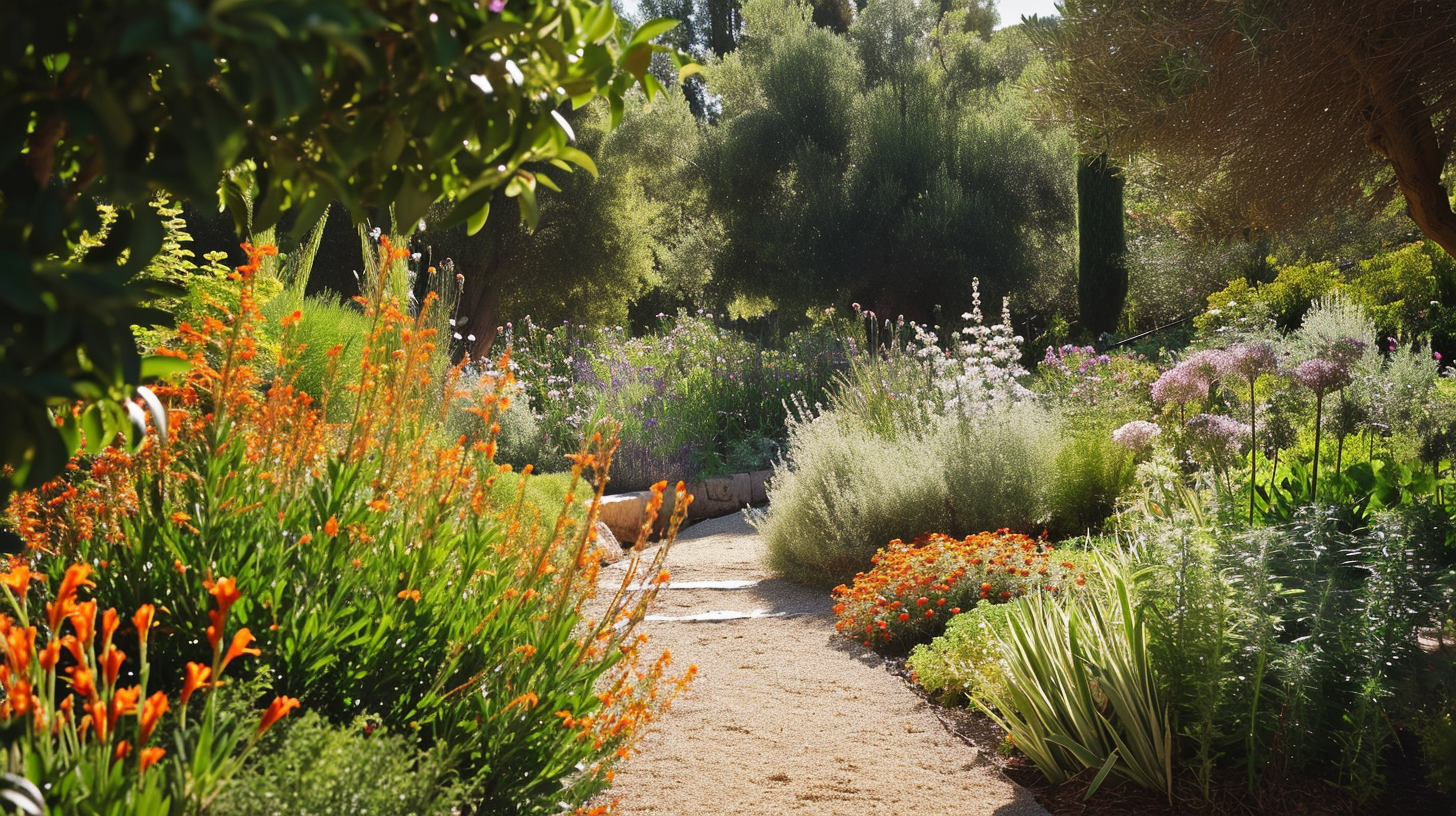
x: 915, y: 588
x: 86, y: 729
x: 389, y: 573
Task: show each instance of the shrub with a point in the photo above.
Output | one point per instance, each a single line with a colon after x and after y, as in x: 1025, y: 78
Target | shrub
x: 386, y: 577
x: 86, y: 735
x: 997, y: 467
x: 841, y: 493
x: 314, y: 768
x: 965, y: 661
x: 915, y: 588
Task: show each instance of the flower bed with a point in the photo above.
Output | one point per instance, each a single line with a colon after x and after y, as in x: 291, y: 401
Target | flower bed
x: 915, y: 588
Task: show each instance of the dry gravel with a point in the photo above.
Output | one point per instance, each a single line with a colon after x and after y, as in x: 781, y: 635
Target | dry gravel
x: 786, y: 717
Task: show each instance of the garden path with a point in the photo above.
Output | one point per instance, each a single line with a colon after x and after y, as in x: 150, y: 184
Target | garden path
x: 785, y: 716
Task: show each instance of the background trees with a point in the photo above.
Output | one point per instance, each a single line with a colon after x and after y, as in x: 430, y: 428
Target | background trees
x: 866, y: 168
x: 1277, y: 111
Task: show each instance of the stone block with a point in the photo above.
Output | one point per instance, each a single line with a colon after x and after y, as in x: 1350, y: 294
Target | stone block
x: 758, y: 486
x: 622, y: 514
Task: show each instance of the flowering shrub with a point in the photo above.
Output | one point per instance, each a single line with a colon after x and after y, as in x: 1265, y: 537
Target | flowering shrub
x: 915, y: 588
x: 694, y: 398
x: 390, y: 579
x: 86, y: 734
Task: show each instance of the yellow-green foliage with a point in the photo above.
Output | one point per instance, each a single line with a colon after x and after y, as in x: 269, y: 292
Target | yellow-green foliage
x: 1397, y: 288
x: 964, y: 662
x: 1285, y: 300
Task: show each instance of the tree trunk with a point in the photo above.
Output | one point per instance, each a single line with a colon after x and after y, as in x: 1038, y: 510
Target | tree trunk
x: 1399, y: 127
x: 1101, y: 244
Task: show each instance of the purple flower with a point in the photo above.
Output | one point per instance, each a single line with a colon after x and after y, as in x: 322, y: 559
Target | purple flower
x: 1180, y: 385
x: 1215, y: 432
x: 1322, y: 376
x: 1211, y: 364
x: 1347, y: 351
x: 497, y: 6
x: 1253, y: 360
x: 1136, y: 435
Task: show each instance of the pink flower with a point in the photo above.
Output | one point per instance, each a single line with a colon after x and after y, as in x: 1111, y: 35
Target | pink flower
x: 497, y: 6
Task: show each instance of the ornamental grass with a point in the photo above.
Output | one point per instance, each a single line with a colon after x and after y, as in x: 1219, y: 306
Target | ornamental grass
x: 915, y: 588
x: 386, y: 575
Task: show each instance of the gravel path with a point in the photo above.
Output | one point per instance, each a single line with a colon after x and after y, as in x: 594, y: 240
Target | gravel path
x: 785, y: 716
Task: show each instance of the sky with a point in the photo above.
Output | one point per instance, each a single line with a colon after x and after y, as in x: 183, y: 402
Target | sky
x: 1012, y: 11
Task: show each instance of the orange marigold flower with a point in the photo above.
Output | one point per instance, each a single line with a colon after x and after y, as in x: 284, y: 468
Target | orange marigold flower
x: 150, y: 757
x: 331, y: 527
x: 197, y: 676
x: 277, y: 710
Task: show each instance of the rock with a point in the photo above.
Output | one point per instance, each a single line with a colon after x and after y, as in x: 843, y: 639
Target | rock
x: 612, y: 551
x: 622, y: 514
x: 758, y: 486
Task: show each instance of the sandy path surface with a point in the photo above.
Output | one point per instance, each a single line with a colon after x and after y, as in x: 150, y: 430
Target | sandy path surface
x: 785, y: 716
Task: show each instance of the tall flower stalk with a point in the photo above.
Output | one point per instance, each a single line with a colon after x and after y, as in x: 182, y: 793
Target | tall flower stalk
x: 1251, y: 361
x: 1320, y: 375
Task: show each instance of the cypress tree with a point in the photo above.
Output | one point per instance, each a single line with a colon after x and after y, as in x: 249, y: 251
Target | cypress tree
x: 1101, y: 244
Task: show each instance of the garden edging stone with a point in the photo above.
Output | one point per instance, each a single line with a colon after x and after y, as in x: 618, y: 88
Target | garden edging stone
x: 623, y: 513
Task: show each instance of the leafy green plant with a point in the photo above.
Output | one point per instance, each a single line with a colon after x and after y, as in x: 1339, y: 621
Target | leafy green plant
x: 1080, y: 686
x: 388, y: 572
x: 120, y: 102
x: 965, y: 661
x: 313, y: 768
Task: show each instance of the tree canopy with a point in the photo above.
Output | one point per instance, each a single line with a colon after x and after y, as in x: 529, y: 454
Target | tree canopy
x: 888, y: 167
x: 371, y: 102
x: 1283, y: 108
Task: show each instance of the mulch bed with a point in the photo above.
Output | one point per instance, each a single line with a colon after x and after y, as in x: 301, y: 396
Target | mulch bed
x: 1408, y: 792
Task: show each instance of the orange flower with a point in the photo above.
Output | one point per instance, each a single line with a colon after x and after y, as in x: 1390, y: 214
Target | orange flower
x: 83, y: 617
x: 331, y: 527
x: 291, y: 320
x: 150, y: 756
x: 527, y: 700
x: 379, y: 505
x: 123, y: 750
x: 98, y: 719
x: 226, y: 593
x: 109, y: 621
x: 50, y: 655
x: 277, y: 710
x: 18, y: 580
x: 111, y: 664
x: 124, y: 702
x: 18, y: 695
x: 83, y: 682
x: 143, y: 621
x: 197, y: 675
x: 66, y: 595
x: 411, y: 594
x: 238, y: 648
x: 152, y: 711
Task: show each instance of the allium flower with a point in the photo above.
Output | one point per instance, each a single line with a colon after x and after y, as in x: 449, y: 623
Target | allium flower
x: 1217, y: 433
x: 1321, y: 375
x: 1136, y: 435
x: 1253, y: 360
x: 1211, y: 364
x: 1180, y: 385
x: 1347, y: 351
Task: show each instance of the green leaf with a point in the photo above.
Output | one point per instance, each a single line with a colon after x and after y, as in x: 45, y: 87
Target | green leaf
x: 477, y: 218
x: 651, y: 30
x: 158, y: 366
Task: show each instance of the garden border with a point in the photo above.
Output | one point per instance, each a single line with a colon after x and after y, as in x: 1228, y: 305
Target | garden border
x: 713, y: 497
